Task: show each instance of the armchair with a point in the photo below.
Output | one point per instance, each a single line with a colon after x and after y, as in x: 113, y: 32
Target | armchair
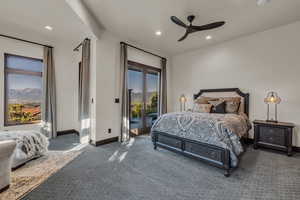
x: 6, y: 152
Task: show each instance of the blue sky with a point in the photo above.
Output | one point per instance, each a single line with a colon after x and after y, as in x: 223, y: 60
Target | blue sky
x: 19, y: 81
x: 17, y: 62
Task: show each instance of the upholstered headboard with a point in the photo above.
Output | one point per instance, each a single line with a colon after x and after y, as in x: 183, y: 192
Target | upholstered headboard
x: 227, y: 92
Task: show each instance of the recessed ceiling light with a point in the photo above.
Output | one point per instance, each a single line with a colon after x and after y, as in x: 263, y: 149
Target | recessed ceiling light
x: 49, y: 28
x: 208, y: 37
x: 158, y: 33
x: 262, y: 2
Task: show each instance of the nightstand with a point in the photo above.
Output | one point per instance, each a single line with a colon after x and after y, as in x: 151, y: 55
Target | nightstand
x: 272, y: 135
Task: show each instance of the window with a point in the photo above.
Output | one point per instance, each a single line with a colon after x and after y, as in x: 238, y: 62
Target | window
x: 23, y: 90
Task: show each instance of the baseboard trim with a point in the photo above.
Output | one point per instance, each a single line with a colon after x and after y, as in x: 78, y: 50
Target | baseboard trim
x: 5, y: 188
x: 106, y: 141
x: 296, y: 149
x: 67, y: 132
x: 251, y: 141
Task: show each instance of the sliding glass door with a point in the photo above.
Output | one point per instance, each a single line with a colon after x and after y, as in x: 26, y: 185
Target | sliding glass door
x: 144, y: 97
x: 152, y: 98
x: 135, y: 85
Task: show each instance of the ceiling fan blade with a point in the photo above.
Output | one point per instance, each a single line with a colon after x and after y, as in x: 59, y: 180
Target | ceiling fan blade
x: 178, y: 21
x: 207, y: 26
x: 183, y: 37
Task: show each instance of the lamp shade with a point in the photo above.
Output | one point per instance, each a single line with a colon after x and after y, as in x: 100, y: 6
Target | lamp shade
x: 272, y: 97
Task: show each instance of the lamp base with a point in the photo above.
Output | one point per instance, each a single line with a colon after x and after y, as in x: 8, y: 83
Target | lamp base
x: 274, y: 121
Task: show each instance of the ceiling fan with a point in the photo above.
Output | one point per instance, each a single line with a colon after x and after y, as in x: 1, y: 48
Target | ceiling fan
x: 192, y: 29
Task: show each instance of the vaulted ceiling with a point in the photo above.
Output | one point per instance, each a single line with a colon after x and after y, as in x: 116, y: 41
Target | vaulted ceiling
x: 138, y: 20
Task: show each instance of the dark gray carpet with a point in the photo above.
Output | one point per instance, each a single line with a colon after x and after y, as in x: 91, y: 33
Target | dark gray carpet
x: 64, y: 142
x: 137, y: 172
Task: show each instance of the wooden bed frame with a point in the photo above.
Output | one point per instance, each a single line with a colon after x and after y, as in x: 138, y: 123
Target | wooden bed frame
x: 211, y: 154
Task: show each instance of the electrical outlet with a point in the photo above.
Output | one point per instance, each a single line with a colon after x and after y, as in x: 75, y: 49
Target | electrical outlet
x: 109, y: 130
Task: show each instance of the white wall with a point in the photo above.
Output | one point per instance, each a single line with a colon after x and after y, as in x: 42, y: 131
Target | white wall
x: 266, y: 61
x: 142, y: 57
x: 18, y: 48
x: 66, y: 66
x: 67, y: 75
x: 105, y: 74
x: 107, y: 113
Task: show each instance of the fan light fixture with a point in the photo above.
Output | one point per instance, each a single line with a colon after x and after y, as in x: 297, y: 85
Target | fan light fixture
x: 262, y: 2
x: 190, y: 28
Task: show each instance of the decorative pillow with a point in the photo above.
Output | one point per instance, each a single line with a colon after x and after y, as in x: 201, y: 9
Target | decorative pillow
x: 202, y: 108
x: 204, y: 100
x: 218, y: 107
x: 232, y: 107
x: 234, y: 99
x: 232, y: 104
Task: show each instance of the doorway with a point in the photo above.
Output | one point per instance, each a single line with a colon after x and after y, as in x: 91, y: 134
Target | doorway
x: 144, y: 97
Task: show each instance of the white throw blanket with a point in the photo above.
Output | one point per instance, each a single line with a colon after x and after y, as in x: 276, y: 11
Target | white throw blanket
x: 30, y: 144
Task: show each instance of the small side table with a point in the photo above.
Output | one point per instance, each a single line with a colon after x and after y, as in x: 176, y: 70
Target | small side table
x: 278, y: 136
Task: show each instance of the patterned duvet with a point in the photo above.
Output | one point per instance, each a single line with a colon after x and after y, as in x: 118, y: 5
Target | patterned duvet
x: 223, y: 130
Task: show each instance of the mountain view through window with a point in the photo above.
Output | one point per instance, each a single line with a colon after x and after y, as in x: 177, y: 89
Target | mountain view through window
x: 23, y: 82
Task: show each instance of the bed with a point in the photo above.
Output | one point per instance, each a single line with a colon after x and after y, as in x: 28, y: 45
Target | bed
x: 30, y: 145
x: 214, y: 138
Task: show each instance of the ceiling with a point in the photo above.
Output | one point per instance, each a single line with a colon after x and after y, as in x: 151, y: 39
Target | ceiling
x: 27, y: 19
x: 138, y: 20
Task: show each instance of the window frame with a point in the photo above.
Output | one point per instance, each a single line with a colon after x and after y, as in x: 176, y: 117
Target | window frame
x: 7, y: 71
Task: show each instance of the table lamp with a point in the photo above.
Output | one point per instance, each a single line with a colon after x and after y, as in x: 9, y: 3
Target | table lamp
x: 272, y: 98
x: 182, y: 101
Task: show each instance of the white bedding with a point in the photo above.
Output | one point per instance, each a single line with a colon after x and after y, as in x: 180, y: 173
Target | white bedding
x: 30, y: 145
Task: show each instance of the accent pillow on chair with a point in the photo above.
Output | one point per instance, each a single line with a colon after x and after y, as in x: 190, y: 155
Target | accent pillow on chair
x: 7, y: 148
